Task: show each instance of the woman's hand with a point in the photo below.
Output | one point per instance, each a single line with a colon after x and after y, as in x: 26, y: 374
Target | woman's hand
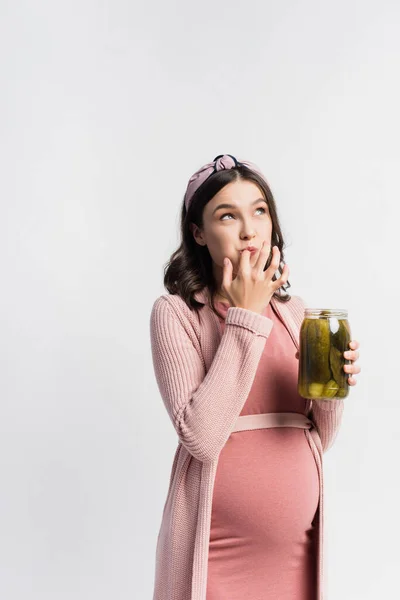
x: 352, y: 355
x: 253, y: 288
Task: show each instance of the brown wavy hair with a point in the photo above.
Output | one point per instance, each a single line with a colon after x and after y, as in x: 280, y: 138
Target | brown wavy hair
x: 189, y: 268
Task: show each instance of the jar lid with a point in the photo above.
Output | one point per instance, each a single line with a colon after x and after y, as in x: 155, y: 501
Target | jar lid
x: 340, y: 313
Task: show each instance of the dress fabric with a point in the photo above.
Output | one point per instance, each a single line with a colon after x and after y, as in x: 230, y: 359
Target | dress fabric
x: 262, y: 542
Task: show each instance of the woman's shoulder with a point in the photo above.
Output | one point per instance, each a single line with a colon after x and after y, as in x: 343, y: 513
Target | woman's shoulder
x: 298, y: 301
x: 174, y: 306
x: 292, y: 308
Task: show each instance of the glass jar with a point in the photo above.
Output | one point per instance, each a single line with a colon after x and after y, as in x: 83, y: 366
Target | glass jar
x: 324, y: 337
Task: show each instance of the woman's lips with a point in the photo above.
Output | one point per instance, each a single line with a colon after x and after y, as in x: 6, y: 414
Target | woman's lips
x: 252, y: 250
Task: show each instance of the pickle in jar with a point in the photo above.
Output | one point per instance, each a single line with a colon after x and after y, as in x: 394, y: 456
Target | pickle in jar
x: 318, y: 345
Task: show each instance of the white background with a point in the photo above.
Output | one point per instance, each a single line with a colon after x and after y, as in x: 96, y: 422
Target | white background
x: 106, y: 110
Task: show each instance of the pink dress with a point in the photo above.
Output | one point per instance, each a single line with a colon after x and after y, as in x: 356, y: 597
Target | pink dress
x: 266, y: 491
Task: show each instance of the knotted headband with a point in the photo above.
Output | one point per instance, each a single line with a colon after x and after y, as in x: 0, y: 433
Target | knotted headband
x: 220, y: 162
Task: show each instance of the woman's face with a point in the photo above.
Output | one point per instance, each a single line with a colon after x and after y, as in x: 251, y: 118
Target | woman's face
x: 228, y: 230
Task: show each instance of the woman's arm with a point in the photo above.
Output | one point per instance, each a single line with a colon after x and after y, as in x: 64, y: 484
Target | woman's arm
x: 204, y: 407
x: 327, y: 416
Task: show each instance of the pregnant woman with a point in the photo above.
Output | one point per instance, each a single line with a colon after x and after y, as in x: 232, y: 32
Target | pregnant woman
x: 243, y: 516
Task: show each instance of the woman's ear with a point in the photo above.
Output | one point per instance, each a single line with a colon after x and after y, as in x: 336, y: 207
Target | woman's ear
x: 197, y: 234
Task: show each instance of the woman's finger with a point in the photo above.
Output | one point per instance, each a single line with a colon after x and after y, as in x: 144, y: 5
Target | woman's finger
x: 261, y: 260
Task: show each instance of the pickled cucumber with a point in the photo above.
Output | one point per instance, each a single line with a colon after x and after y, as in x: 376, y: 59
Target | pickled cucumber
x: 337, y: 362
x: 330, y: 389
x: 342, y: 337
x: 315, y: 390
x: 342, y: 393
x: 318, y: 344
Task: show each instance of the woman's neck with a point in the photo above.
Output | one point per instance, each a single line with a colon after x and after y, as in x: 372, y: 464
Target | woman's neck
x: 220, y: 298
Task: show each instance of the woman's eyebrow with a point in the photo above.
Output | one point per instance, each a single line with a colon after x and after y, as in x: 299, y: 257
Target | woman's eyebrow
x: 232, y: 206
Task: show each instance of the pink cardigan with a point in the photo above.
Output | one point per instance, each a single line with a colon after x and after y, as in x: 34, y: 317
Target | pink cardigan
x: 204, y: 377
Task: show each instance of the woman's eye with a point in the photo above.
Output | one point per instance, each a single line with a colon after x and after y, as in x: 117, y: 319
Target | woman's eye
x: 230, y: 214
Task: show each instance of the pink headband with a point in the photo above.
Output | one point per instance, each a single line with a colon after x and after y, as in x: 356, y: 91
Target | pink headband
x: 220, y: 162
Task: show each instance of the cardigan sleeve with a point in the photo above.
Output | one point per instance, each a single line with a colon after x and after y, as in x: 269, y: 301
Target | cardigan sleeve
x: 327, y: 416
x: 203, y: 407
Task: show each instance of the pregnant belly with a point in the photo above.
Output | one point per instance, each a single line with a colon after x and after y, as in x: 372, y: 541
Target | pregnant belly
x: 266, y: 492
